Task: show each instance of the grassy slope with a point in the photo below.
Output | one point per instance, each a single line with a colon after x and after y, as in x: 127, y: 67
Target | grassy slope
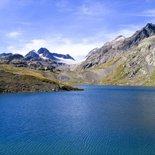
x: 117, y: 77
x: 84, y: 76
x: 151, y: 80
x: 13, y: 79
x: 120, y: 76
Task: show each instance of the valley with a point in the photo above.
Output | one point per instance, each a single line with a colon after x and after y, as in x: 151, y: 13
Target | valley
x: 122, y: 61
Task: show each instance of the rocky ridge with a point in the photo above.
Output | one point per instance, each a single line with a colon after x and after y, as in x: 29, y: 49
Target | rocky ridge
x: 123, y: 61
x: 42, y: 59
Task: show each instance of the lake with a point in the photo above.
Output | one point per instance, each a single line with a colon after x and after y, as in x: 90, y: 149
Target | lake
x: 106, y: 120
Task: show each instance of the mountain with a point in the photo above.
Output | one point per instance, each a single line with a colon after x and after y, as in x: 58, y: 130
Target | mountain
x: 122, y: 61
x: 9, y: 56
x: 110, y: 50
x: 41, y: 54
x: 147, y: 31
x: 44, y: 53
x: 58, y: 56
x: 42, y: 59
x: 32, y: 55
x: 5, y: 55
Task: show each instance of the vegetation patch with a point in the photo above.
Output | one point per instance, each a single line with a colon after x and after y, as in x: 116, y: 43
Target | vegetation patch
x: 118, y: 77
x: 13, y: 80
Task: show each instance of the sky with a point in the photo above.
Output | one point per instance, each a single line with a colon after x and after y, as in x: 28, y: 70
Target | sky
x: 69, y: 26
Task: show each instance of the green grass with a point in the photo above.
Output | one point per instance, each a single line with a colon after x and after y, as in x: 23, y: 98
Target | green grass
x: 118, y: 77
x: 150, y: 81
x: 21, y: 70
x: 15, y: 76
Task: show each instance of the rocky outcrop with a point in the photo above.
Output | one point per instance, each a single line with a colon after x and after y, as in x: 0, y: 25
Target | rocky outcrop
x: 112, y: 49
x: 123, y: 61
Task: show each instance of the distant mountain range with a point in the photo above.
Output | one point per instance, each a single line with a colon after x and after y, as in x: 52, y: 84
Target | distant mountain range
x: 42, y: 53
x: 122, y: 61
x: 41, y: 59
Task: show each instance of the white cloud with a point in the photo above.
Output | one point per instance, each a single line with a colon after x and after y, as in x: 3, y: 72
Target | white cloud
x: 126, y: 31
x: 12, y: 49
x: 78, y: 50
x: 148, y: 13
x: 87, y: 8
x: 13, y: 34
x: 28, y: 46
x: 104, y: 36
x: 93, y: 9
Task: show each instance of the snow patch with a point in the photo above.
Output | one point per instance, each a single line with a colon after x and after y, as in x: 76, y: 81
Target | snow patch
x: 43, y: 57
x: 66, y: 61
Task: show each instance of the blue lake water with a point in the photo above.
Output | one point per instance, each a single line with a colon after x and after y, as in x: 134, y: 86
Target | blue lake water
x: 106, y: 120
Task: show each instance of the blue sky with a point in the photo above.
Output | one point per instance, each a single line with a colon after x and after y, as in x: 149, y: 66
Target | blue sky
x: 69, y: 26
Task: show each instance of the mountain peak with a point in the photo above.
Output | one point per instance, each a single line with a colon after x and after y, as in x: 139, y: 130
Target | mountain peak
x: 138, y: 36
x: 33, y: 51
x: 43, y: 50
x: 148, y: 30
x: 150, y: 25
x: 32, y: 55
x: 63, y: 56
